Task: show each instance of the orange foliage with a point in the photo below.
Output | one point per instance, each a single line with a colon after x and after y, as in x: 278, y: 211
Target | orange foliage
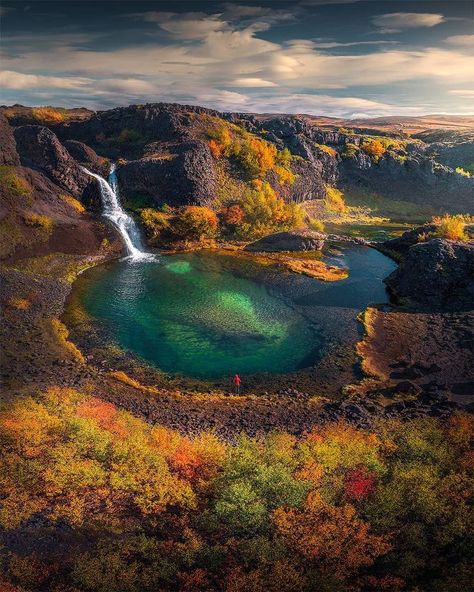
x: 374, y: 148
x: 19, y: 303
x: 333, y: 537
x: 232, y: 215
x: 216, y: 148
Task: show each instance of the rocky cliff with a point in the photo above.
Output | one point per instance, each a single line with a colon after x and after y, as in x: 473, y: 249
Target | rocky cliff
x: 164, y: 154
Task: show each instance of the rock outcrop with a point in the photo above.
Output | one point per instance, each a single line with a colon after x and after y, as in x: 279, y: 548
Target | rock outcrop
x: 438, y: 273
x: 165, y: 155
x: 87, y: 157
x: 40, y: 149
x: 8, y: 153
x: 186, y: 176
x: 303, y: 240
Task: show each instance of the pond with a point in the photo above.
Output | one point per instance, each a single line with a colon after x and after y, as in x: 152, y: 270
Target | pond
x: 209, y: 315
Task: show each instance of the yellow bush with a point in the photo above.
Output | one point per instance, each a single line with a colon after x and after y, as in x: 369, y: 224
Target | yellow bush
x: 154, y: 222
x: 451, y: 227
x: 12, y: 183
x: 32, y: 219
x: 126, y: 379
x: 326, y: 149
x: 315, y: 225
x: 285, y: 176
x: 48, y: 114
x: 266, y: 212
x: 334, y: 200
x: 61, y: 333
x: 73, y: 202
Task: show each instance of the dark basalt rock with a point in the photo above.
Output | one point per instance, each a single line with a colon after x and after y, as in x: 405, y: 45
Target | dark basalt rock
x: 87, y: 157
x: 40, y: 149
x: 399, y: 246
x: 437, y: 273
x: 417, y: 179
x: 186, y: 177
x: 8, y: 153
x: 304, y: 240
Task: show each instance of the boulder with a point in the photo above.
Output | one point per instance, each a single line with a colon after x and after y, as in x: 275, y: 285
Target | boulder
x: 437, y: 273
x: 399, y: 246
x: 40, y: 149
x: 296, y: 240
x: 185, y: 176
x: 87, y: 157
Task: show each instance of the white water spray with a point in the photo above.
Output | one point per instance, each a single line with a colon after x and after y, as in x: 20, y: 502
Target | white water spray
x: 114, y: 212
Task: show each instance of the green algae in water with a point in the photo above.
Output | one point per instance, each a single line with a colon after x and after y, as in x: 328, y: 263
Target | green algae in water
x: 179, y: 266
x: 202, y: 322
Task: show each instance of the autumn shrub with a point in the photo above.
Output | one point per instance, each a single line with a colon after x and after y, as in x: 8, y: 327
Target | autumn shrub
x: 61, y: 334
x: 231, y: 216
x: 74, y: 203
x: 12, y: 184
x: 195, y: 223
x: 326, y: 149
x: 48, y: 114
x: 257, y: 156
x: 154, y: 222
x: 141, y: 507
x: 38, y: 220
x: 373, y: 148
x: 334, y: 200
x: 451, y: 227
x: 463, y: 172
x: 315, y: 224
x: 266, y: 212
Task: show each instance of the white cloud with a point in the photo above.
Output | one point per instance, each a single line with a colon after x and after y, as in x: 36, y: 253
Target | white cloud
x: 399, y: 21
x: 333, y: 44
x: 463, y: 93
x: 218, y: 57
x: 16, y: 80
x: 461, y: 40
x: 251, y: 82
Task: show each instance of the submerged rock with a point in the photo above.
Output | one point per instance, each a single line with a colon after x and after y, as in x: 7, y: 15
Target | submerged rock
x: 296, y: 240
x: 437, y: 273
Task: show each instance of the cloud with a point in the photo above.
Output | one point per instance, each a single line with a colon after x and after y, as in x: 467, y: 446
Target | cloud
x: 227, y: 66
x: 16, y: 80
x: 395, y: 22
x: 334, y: 44
x: 463, y: 93
x: 461, y: 40
x: 193, y: 25
x: 251, y: 83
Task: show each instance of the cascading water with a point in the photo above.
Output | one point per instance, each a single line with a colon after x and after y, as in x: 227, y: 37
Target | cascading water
x: 113, y: 211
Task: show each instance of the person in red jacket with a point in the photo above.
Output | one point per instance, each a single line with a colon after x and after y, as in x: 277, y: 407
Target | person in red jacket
x: 236, y: 380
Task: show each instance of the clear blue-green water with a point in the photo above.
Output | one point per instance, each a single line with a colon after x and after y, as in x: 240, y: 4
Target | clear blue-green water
x: 207, y: 315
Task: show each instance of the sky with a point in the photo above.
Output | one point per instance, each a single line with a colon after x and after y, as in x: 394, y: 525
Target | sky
x: 342, y: 58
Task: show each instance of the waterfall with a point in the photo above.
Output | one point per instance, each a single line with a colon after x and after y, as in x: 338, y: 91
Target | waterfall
x: 114, y: 212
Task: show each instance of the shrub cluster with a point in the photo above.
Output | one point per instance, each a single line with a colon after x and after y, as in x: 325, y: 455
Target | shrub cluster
x: 452, y: 227
x: 141, y: 508
x: 257, y: 156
